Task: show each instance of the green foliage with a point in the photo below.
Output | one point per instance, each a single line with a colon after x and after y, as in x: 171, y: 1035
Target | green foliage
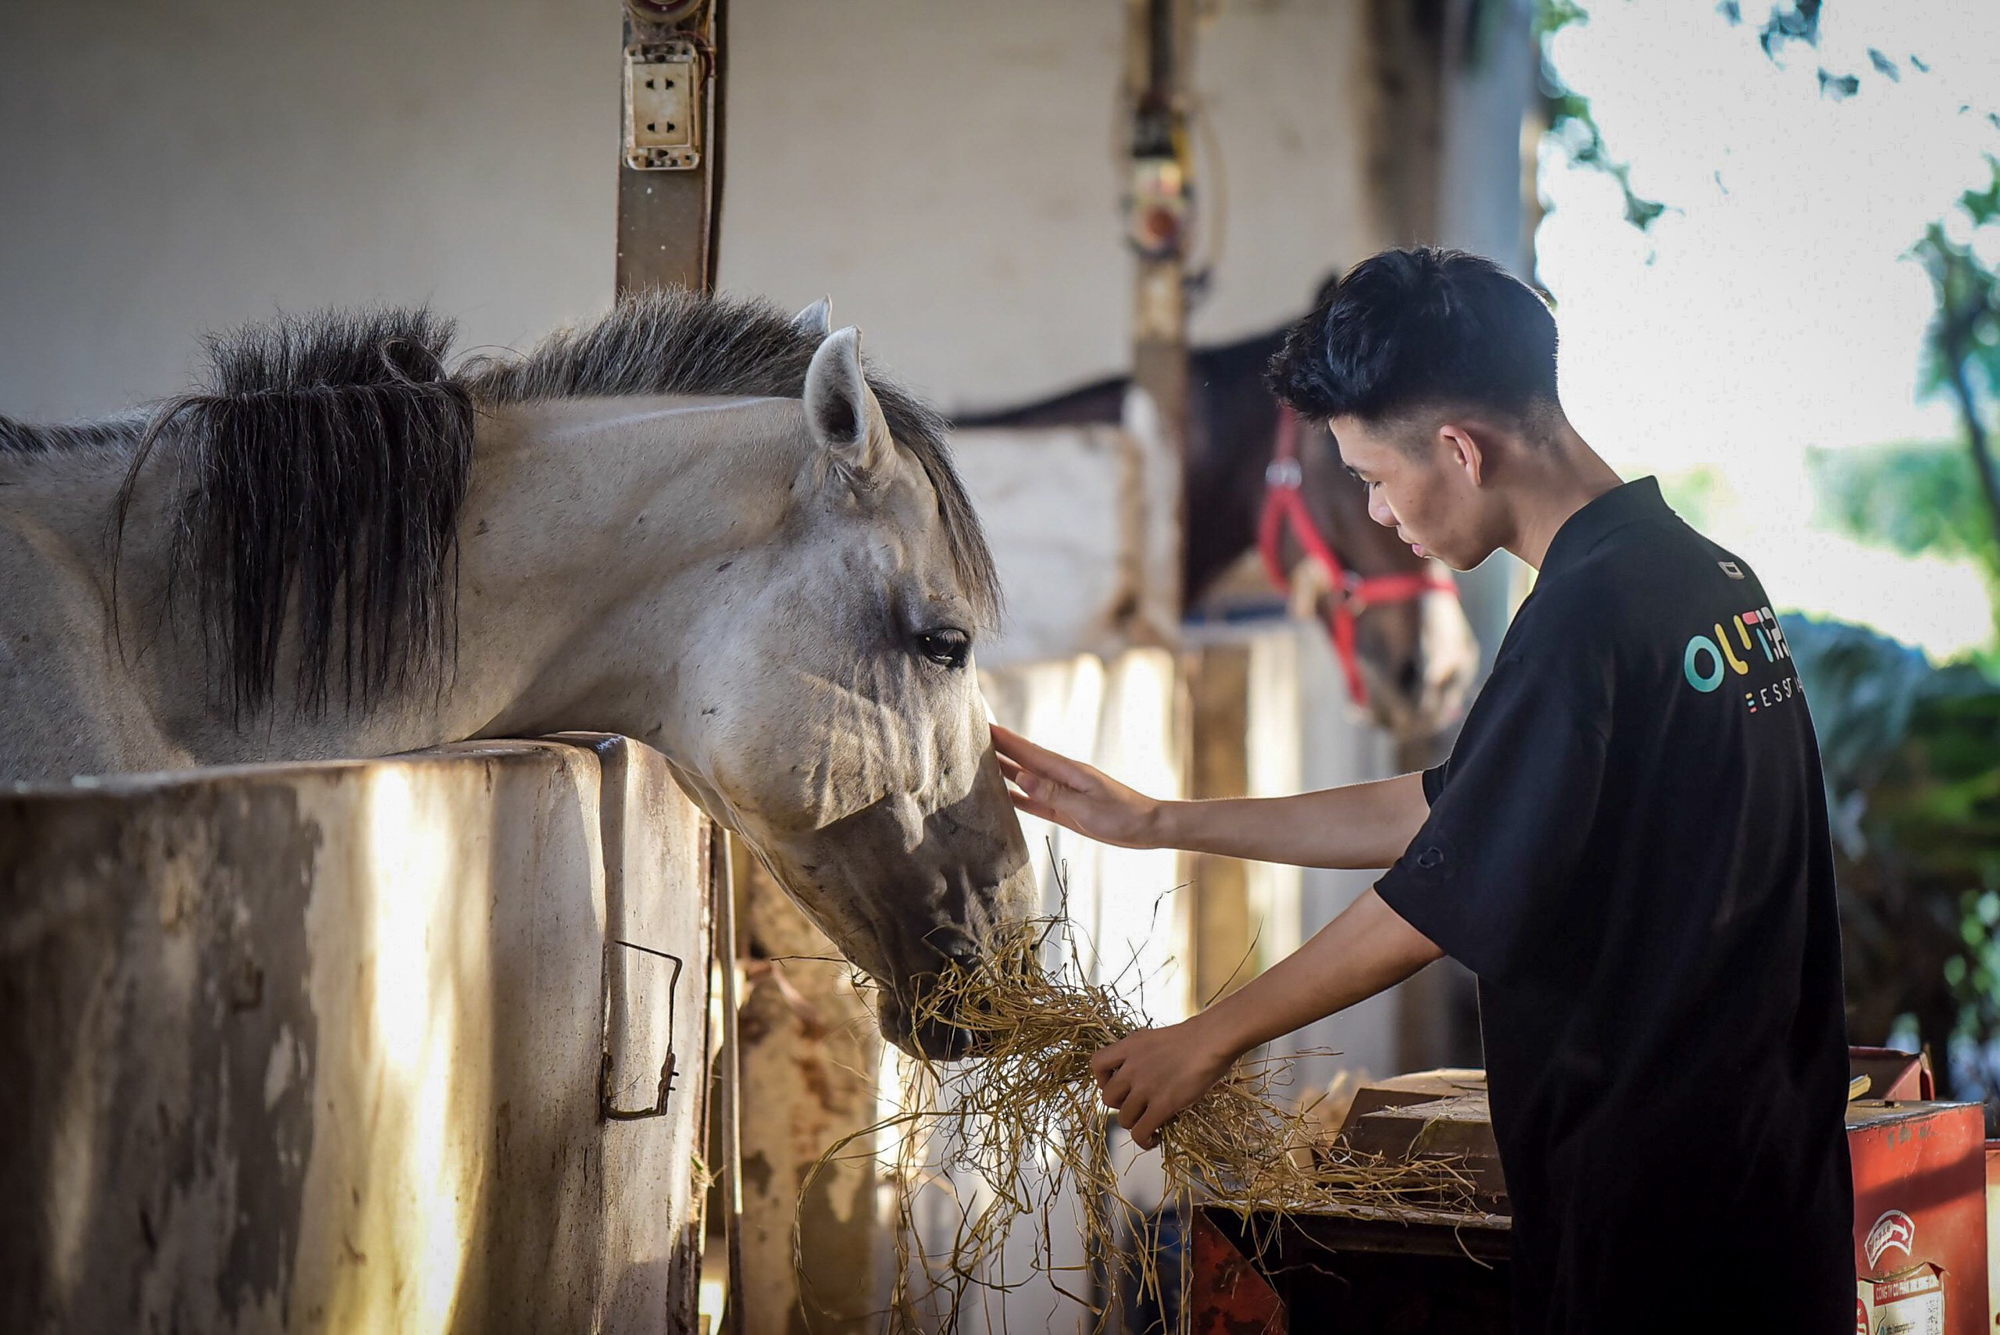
x: 1572, y: 126
x: 1962, y: 352
x: 1701, y: 495
x: 1912, y: 760
x: 1911, y: 497
x: 1965, y: 337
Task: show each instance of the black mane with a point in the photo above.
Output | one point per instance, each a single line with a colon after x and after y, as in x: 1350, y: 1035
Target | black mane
x: 321, y: 474
x: 323, y: 471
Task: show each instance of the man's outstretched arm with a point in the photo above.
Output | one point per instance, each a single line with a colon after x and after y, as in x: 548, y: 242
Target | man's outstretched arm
x: 1363, y: 825
x: 1151, y: 1075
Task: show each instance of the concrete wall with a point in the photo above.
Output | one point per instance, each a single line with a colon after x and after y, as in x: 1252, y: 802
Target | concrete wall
x: 947, y: 173
x: 1084, y: 523
x: 318, y: 1047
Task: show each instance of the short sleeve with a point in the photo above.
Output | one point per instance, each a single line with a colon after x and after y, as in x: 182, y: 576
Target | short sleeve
x: 1492, y: 874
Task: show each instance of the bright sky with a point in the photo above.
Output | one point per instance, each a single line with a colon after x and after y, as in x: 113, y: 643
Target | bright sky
x: 1772, y: 310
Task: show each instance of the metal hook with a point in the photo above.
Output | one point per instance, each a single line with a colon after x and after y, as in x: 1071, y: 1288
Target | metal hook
x: 605, y: 1105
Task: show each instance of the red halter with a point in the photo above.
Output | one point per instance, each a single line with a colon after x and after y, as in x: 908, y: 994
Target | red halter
x: 1352, y: 594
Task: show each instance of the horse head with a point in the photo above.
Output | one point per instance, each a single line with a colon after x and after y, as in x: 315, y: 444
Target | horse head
x: 1416, y: 655
x: 842, y: 735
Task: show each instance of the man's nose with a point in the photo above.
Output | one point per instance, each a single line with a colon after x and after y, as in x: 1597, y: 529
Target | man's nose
x: 1380, y: 512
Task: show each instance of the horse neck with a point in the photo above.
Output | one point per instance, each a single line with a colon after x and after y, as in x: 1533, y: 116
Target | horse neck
x: 594, y: 538
x: 581, y: 522
x: 1232, y: 431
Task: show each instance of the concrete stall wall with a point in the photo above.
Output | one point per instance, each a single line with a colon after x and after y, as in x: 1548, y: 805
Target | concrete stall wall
x: 319, y: 1047
x: 949, y: 174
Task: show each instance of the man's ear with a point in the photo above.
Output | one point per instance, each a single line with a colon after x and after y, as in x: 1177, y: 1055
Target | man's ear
x: 1466, y: 453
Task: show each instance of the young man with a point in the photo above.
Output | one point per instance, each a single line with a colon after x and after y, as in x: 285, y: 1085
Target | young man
x: 1628, y: 845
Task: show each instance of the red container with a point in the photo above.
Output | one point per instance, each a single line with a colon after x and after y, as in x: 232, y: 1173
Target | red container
x: 1919, y: 1216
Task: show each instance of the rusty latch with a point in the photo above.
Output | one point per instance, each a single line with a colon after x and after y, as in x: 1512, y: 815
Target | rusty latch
x: 606, y: 1106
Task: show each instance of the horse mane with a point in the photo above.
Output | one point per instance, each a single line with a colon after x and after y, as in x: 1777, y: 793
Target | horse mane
x: 672, y: 341
x: 323, y: 470
x: 22, y: 439
x: 322, y: 474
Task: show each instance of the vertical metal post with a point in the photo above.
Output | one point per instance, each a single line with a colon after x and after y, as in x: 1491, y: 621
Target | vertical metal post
x: 667, y: 209
x: 1159, y: 58
x: 728, y: 1079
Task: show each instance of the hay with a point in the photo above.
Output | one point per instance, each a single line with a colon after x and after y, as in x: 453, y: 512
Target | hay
x: 1024, y: 1129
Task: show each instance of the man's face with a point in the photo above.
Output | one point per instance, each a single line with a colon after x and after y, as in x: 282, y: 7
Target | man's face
x: 1418, y: 484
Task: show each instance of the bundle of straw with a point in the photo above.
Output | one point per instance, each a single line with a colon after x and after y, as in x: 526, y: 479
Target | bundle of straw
x: 1024, y: 1125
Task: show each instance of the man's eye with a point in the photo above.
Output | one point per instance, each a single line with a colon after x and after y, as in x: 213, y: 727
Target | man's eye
x: 947, y: 647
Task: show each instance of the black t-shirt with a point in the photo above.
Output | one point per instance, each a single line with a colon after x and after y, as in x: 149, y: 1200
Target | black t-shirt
x: 1629, y: 846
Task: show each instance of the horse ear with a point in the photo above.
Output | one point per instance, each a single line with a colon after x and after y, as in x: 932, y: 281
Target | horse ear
x: 842, y: 411
x: 816, y: 319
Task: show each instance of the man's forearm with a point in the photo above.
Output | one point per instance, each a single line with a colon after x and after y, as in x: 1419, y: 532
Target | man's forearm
x: 1363, y: 825
x: 1367, y: 949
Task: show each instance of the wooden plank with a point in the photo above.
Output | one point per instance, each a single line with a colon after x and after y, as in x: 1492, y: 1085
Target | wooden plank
x: 811, y: 1051
x: 1218, y: 677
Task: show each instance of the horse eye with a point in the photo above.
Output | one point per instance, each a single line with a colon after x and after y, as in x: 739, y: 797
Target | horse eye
x: 946, y: 647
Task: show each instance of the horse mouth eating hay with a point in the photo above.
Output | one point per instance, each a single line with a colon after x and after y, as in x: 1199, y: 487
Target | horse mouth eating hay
x: 698, y: 523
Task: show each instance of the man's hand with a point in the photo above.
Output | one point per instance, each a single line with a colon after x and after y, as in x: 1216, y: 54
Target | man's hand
x: 1074, y: 795
x: 1151, y: 1074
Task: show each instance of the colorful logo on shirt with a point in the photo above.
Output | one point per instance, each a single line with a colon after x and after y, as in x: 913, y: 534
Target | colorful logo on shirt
x: 1893, y: 1230
x: 1709, y: 660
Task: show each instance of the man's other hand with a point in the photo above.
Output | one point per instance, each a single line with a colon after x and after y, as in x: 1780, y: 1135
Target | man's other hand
x: 1150, y: 1075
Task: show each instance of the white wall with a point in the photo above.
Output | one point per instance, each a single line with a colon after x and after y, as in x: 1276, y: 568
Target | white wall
x: 947, y: 173
x: 966, y: 209
x: 167, y: 169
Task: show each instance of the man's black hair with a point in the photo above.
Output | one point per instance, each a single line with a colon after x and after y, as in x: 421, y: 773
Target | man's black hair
x: 1408, y: 330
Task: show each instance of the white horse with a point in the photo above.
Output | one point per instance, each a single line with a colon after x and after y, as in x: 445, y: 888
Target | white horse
x: 697, y: 523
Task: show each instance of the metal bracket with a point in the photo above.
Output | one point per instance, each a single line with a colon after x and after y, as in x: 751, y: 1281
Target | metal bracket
x: 663, y: 130
x: 606, y: 1107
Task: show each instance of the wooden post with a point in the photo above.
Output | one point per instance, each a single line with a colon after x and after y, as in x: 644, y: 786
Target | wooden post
x: 670, y: 162
x: 1159, y: 57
